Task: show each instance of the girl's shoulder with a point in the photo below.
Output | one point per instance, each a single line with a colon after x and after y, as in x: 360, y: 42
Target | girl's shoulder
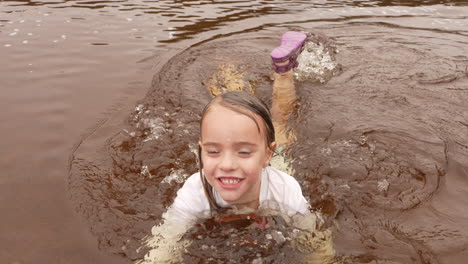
x: 283, y: 189
x: 278, y: 177
x: 193, y: 180
x: 191, y: 196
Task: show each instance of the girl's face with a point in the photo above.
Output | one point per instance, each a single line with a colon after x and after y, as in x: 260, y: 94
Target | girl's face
x: 234, y: 152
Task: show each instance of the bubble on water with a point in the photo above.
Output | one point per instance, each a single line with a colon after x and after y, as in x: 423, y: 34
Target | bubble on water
x: 46, y: 14
x: 145, y: 172
x: 96, y: 31
x: 171, y: 34
x: 55, y: 40
x: 176, y: 175
x: 38, y: 21
x: 383, y: 185
x: 326, y: 151
x: 7, y: 45
x: 156, y: 127
x: 64, y: 37
x: 138, y: 109
x: 13, y: 33
x: 132, y: 134
x: 362, y: 140
x: 25, y: 42
x: 345, y: 186
x: 16, y: 29
x: 257, y: 261
x: 129, y: 19
x: 278, y: 236
x: 30, y: 34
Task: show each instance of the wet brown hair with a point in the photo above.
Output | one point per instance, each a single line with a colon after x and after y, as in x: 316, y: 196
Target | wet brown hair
x: 244, y: 103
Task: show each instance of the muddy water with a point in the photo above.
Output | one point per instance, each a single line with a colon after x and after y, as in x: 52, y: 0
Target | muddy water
x: 381, y: 147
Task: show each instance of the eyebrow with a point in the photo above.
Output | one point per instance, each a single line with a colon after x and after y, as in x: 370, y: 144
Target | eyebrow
x: 241, y: 143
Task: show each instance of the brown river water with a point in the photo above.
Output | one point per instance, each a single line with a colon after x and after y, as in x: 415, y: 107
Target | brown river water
x: 100, y: 105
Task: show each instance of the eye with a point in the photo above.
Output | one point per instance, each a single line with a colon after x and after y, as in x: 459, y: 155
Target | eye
x: 245, y: 153
x: 212, y: 152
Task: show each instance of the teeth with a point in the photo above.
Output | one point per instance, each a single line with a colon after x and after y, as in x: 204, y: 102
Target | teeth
x: 229, y: 181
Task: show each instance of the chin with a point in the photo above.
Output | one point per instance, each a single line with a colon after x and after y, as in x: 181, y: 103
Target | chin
x: 231, y: 200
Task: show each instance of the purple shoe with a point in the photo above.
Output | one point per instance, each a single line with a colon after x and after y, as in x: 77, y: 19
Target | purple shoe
x: 284, y: 57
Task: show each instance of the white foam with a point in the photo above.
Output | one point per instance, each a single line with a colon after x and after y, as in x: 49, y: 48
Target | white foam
x: 145, y: 172
x: 178, y: 176
x: 383, y: 185
x: 315, y: 63
x: 156, y: 126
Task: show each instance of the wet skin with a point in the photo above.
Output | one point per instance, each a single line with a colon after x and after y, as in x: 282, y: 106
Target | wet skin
x: 234, y: 152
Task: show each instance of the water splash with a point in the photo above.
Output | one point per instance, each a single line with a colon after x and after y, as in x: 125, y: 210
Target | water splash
x: 317, y: 61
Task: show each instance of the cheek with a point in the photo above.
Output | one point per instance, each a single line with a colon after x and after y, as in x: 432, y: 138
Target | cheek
x: 208, y: 173
x: 254, y: 166
x: 208, y: 165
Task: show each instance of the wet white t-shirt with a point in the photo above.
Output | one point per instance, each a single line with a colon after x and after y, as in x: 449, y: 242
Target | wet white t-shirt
x: 278, y: 189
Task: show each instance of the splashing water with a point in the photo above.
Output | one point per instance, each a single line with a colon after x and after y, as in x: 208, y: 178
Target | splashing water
x: 266, y: 236
x: 317, y: 61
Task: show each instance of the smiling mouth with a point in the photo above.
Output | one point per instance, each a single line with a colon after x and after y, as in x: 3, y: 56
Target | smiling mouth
x: 229, y: 182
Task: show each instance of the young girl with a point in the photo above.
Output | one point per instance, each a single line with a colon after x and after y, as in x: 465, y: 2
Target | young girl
x: 237, y: 141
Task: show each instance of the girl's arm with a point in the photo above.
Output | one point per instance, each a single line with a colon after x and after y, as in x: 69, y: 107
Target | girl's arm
x: 188, y: 205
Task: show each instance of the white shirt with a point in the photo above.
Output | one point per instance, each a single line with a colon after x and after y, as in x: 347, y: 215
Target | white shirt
x: 277, y: 189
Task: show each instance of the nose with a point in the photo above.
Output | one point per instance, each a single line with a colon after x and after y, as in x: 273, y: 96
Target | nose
x: 228, y: 162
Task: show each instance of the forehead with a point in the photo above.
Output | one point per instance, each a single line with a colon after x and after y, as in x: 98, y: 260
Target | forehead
x: 222, y: 123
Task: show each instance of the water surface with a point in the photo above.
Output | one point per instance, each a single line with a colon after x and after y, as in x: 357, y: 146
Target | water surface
x: 383, y: 145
